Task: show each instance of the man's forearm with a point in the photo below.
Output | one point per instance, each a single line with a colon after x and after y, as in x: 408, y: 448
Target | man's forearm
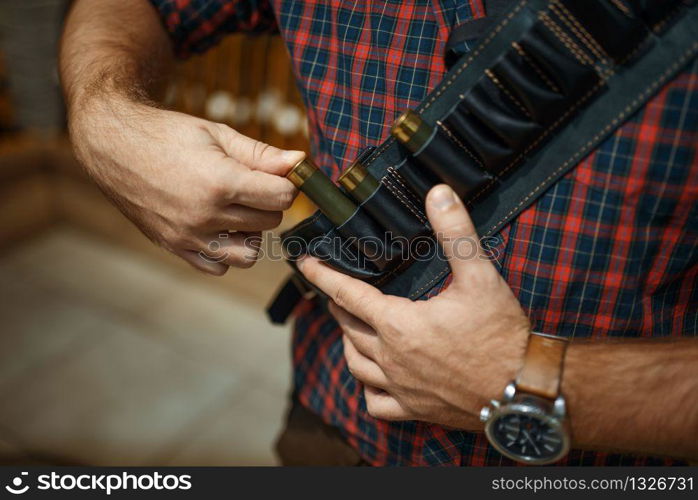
x: 112, y: 46
x: 185, y: 182
x: 636, y: 396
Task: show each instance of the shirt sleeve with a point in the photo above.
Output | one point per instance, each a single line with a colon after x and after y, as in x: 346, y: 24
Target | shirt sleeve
x: 196, y: 25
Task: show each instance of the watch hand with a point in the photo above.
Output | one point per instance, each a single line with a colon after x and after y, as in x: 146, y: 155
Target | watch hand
x: 528, y: 436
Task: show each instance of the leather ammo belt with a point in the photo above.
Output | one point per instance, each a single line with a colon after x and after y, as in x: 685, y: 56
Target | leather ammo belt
x: 544, y: 86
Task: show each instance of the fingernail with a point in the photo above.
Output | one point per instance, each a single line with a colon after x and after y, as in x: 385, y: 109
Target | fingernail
x: 442, y: 197
x: 300, y: 262
x: 293, y: 156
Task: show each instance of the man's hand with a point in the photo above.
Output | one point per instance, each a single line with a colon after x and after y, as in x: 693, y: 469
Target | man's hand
x: 438, y: 360
x: 184, y: 181
x: 442, y: 359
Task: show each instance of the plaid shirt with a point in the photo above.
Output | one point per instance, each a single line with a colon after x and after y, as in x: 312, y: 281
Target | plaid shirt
x: 608, y: 251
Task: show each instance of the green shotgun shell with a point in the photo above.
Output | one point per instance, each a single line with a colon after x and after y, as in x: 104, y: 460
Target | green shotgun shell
x: 322, y: 191
x: 411, y: 131
x: 358, y: 181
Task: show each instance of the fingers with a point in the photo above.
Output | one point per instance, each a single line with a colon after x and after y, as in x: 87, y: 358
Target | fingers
x: 356, y: 297
x: 213, y: 254
x: 454, y: 229
x: 256, y: 171
x: 363, y: 368
x: 262, y: 190
x: 238, y: 249
x: 383, y: 406
x: 362, y: 336
x: 193, y: 258
x: 242, y: 218
x: 255, y: 154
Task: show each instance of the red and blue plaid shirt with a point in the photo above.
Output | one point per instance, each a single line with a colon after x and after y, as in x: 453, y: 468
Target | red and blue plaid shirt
x: 608, y: 251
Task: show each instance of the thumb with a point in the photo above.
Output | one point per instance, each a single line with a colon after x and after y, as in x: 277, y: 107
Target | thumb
x: 454, y: 229
x: 255, y: 154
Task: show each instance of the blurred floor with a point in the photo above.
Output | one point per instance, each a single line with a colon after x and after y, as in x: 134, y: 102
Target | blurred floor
x: 110, y: 357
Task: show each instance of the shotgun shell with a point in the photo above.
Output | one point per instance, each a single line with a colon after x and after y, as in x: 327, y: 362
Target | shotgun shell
x: 322, y: 191
x: 359, y: 182
x: 411, y: 131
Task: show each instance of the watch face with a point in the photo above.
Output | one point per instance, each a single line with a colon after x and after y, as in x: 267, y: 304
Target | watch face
x: 527, y: 434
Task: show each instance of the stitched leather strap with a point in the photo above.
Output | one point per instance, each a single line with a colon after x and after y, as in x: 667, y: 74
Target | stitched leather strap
x: 541, y: 372
x: 626, y: 87
x: 472, y: 29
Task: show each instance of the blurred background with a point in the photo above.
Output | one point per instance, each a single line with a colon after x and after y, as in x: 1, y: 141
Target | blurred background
x: 113, y: 352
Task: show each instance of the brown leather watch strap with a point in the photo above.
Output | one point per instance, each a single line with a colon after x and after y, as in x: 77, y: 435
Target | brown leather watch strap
x: 541, y: 372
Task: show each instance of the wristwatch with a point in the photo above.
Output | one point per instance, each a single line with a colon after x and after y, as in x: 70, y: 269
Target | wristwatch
x: 529, y: 424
